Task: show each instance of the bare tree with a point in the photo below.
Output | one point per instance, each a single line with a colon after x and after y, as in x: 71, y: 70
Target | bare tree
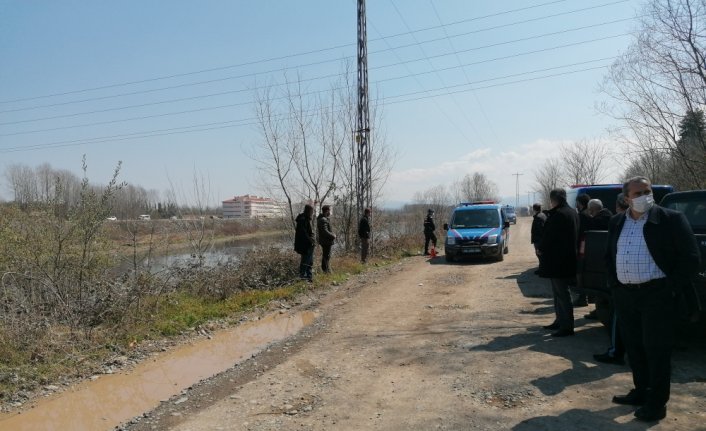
x: 661, y: 78
x: 583, y: 162
x: 547, y: 177
x: 476, y: 187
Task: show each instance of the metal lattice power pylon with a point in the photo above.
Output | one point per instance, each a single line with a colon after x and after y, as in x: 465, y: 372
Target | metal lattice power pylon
x: 362, y: 133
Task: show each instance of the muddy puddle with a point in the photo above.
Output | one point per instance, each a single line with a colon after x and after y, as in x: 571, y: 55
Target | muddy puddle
x: 113, y: 399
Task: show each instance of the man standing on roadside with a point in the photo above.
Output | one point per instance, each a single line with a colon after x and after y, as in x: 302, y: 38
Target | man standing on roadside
x: 538, y: 220
x: 651, y: 257
x: 429, y: 229
x: 326, y: 237
x: 364, y: 235
x: 557, y: 253
x: 305, y: 242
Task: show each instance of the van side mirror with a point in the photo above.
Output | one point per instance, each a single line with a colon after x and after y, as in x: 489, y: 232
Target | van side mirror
x: 446, y: 226
x: 506, y: 224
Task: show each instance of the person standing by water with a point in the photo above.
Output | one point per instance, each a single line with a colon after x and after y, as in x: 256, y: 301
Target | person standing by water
x: 305, y: 242
x: 364, y: 235
x: 429, y: 229
x: 326, y: 237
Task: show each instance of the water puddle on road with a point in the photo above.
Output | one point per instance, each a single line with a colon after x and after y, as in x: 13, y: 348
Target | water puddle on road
x: 113, y: 399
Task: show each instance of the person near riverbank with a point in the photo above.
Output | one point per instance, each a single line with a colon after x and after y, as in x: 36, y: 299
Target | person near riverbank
x: 557, y: 259
x: 429, y: 229
x: 651, y: 258
x: 305, y: 242
x: 326, y: 237
x: 364, y: 234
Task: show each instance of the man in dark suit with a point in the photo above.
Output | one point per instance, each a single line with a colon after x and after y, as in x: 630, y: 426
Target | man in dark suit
x: 651, y: 257
x: 557, y: 259
x: 364, y: 235
x: 304, y: 242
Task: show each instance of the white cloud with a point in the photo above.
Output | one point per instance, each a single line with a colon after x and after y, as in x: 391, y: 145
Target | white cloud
x: 497, y: 165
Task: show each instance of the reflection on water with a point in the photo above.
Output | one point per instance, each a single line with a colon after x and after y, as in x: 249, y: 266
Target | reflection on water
x: 230, y: 252
x: 104, y: 403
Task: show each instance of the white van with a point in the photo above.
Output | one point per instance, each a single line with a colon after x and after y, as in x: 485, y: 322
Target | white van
x: 144, y: 217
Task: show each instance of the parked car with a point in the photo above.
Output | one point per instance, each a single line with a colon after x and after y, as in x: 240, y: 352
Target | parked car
x: 144, y: 217
x: 478, y: 229
x: 510, y: 214
x: 112, y: 218
x: 608, y: 193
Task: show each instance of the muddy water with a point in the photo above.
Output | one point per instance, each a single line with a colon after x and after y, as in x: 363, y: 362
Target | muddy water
x: 112, y: 399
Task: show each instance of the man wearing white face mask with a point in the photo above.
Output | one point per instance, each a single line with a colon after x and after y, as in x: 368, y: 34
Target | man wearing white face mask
x: 651, y: 257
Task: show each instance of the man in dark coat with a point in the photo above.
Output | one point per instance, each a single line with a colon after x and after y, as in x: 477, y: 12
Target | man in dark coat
x: 584, y: 221
x: 600, y: 217
x: 364, y: 235
x: 538, y: 220
x: 651, y: 257
x: 305, y: 242
x: 557, y: 251
x: 429, y: 229
x: 326, y: 237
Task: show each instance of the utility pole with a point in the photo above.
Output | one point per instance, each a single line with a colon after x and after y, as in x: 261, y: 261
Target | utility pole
x: 361, y: 142
x: 517, y: 189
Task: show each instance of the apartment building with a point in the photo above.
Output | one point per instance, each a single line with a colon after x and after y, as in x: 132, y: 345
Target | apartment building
x: 248, y: 206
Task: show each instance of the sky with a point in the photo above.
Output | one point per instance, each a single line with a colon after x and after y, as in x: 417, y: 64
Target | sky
x: 167, y: 87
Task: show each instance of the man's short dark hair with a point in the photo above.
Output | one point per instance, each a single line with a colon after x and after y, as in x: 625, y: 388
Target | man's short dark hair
x: 558, y: 195
x: 367, y: 211
x: 537, y: 207
x: 325, y: 208
x: 308, y: 209
x: 621, y: 202
x: 637, y: 179
x: 583, y: 199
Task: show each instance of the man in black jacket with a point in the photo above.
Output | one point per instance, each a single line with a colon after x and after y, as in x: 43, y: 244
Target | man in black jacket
x: 651, y: 257
x: 429, y: 229
x: 364, y: 235
x: 304, y: 242
x: 557, y: 252
x: 538, y: 220
x: 600, y: 217
x: 326, y: 237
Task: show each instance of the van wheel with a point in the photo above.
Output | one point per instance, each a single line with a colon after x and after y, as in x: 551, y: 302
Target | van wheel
x: 506, y: 250
x: 501, y: 257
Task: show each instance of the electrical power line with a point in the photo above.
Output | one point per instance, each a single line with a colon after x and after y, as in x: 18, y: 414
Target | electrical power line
x: 234, y: 91
x: 316, y: 51
x: 174, y: 130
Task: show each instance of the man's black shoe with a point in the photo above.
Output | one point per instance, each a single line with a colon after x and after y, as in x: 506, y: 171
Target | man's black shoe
x: 552, y: 326
x: 633, y: 398
x: 593, y: 315
x: 608, y: 359
x: 651, y: 414
x: 563, y: 333
x: 536, y: 272
x: 580, y: 303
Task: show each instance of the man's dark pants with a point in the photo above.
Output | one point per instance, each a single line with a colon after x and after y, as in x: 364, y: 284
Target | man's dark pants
x: 429, y: 237
x: 306, y: 263
x: 364, y: 248
x: 562, y: 303
x: 326, y: 257
x: 647, y: 323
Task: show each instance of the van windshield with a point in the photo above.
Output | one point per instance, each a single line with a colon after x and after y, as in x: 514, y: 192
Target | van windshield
x: 475, y: 219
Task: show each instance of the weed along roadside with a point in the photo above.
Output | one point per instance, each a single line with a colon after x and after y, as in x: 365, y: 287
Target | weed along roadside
x: 113, y: 326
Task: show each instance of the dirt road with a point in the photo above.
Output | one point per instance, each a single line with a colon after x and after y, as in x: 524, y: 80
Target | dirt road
x: 429, y: 345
